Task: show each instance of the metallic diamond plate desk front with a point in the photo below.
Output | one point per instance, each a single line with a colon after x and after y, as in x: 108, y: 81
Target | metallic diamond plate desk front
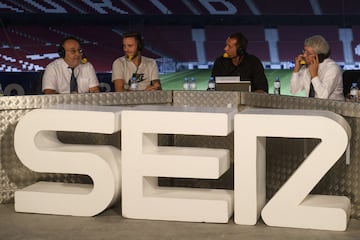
x: 283, y: 155
x: 13, y: 174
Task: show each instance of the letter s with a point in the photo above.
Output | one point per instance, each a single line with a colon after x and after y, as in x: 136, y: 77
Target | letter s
x: 38, y: 147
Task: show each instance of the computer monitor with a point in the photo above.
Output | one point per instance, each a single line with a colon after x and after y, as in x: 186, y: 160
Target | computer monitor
x: 232, y: 84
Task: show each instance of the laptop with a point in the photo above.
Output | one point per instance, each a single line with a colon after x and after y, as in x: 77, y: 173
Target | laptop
x: 232, y: 83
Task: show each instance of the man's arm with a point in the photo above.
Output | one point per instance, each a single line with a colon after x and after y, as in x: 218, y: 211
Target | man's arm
x: 154, y: 75
x: 260, y: 80
x: 95, y: 89
x: 156, y: 85
x: 49, y: 80
x: 119, y: 85
x: 325, y: 86
x: 216, y: 70
x: 49, y: 91
x: 93, y: 80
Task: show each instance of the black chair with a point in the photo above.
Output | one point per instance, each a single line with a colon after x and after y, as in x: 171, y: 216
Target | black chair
x: 350, y: 76
x: 37, y: 83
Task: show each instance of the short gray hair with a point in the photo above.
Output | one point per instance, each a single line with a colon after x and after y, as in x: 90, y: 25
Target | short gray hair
x: 318, y: 43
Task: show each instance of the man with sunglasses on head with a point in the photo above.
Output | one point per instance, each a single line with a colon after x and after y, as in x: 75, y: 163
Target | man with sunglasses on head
x: 315, y: 72
x: 69, y: 73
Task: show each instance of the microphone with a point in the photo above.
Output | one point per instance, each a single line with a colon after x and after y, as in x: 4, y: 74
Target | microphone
x: 84, y: 60
x: 130, y: 57
x: 83, y: 57
x: 226, y: 55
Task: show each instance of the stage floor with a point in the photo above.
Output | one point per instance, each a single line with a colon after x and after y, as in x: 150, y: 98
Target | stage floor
x: 111, y: 225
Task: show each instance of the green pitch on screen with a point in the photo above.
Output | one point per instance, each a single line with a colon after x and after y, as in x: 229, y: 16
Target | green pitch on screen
x: 174, y: 81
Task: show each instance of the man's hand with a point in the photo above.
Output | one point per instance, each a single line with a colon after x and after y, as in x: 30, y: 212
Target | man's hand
x: 298, y: 62
x: 314, y: 66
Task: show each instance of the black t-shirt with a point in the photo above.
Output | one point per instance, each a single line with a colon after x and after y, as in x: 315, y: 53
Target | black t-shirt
x: 249, y: 69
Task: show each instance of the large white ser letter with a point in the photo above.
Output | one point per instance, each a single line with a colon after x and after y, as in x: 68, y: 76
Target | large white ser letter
x: 143, y: 161
x: 292, y: 205
x: 38, y: 147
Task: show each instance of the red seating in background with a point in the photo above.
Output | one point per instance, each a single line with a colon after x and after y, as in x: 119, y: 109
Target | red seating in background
x: 173, y: 41
x: 291, y: 40
x: 102, y: 44
x: 37, y: 34
x: 288, y: 50
x: 167, y: 27
x: 299, y: 33
x: 340, y: 7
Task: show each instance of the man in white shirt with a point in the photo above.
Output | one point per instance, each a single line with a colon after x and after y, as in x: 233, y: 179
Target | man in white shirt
x: 144, y: 70
x: 316, y: 73
x: 69, y: 70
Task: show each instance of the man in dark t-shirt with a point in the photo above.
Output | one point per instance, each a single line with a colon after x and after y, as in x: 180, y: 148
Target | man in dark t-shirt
x: 237, y: 62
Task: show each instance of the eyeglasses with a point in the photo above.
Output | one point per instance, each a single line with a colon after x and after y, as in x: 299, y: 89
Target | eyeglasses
x: 73, y: 51
x: 307, y: 52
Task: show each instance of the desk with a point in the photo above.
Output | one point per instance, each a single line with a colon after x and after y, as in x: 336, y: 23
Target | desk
x: 284, y: 155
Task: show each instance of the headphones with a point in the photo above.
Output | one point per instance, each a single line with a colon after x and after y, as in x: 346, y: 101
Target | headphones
x: 61, y: 49
x: 323, y: 56
x: 241, y: 43
x: 138, y: 38
x: 240, y: 51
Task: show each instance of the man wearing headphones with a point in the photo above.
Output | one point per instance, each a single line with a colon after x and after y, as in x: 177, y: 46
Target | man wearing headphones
x: 134, y: 66
x: 68, y: 74
x: 237, y: 62
x: 315, y: 72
